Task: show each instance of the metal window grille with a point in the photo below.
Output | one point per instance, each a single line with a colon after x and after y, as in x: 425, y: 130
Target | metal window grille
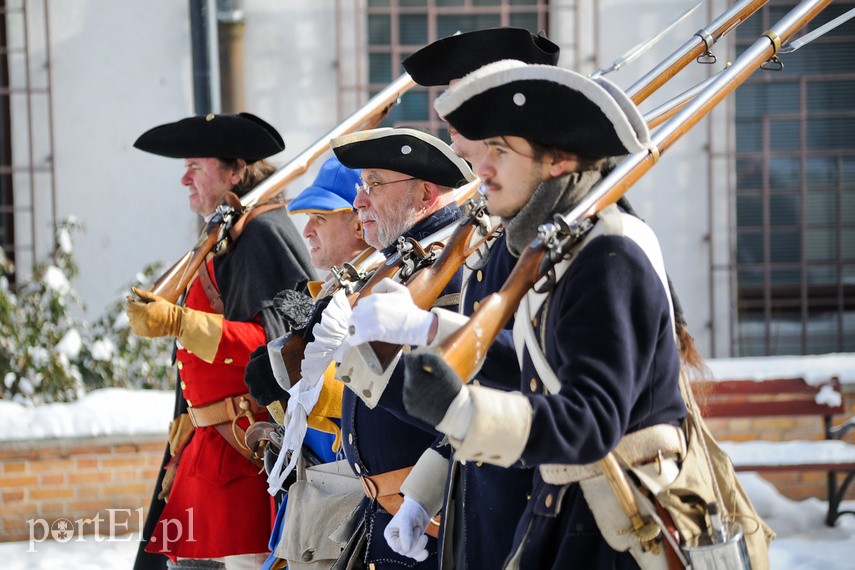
x: 795, y: 195
x: 396, y: 28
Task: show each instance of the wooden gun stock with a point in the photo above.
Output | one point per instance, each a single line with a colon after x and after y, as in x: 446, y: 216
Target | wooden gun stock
x: 465, y: 350
x: 173, y: 283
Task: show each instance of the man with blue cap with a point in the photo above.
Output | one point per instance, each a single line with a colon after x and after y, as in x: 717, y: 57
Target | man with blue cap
x: 334, y: 236
x: 333, y: 231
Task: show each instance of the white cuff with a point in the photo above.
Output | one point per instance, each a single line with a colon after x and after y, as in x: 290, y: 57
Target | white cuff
x: 447, y: 324
x: 458, y: 416
x: 426, y: 482
x: 359, y: 378
x: 500, y: 427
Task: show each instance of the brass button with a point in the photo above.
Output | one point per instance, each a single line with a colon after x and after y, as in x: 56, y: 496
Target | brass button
x: 366, y: 393
x: 534, y: 322
x: 479, y: 464
x: 229, y: 360
x: 210, y: 117
x: 548, y: 500
x: 180, y: 365
x: 308, y: 555
x: 533, y: 384
x: 183, y: 385
x: 480, y: 275
x: 476, y: 304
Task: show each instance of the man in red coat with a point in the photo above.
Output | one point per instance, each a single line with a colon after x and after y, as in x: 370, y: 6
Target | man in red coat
x: 218, y: 513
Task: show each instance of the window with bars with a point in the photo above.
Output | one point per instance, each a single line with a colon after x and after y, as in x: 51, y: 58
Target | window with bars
x: 795, y: 194
x: 397, y: 28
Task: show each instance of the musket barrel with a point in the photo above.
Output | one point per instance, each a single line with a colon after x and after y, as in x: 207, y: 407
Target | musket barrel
x: 300, y: 163
x: 692, y: 49
x: 172, y: 284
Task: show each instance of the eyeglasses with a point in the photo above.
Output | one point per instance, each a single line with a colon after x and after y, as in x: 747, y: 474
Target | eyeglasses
x: 367, y: 187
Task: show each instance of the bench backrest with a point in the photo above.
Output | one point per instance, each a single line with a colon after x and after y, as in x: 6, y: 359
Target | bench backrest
x: 778, y: 397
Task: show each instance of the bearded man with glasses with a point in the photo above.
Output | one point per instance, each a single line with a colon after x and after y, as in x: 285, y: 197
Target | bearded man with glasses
x: 408, y: 178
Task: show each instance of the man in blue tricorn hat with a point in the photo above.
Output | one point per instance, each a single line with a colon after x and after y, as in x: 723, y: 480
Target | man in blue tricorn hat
x: 228, y: 310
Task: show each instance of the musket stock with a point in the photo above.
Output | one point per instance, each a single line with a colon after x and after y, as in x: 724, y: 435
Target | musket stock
x: 173, y: 283
x: 464, y: 350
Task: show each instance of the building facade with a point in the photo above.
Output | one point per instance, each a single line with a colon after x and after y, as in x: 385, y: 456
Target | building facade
x: 755, y: 206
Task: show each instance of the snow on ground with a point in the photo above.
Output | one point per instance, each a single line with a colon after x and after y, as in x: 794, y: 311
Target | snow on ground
x: 815, y: 369
x: 803, y: 543
x: 110, y: 411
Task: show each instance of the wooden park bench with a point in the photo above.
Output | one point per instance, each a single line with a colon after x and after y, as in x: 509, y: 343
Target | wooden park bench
x: 786, y: 397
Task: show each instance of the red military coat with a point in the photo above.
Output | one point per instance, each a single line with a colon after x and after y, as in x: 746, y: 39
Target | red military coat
x: 219, y: 505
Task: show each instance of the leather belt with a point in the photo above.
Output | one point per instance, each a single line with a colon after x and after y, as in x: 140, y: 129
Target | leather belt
x: 223, y: 411
x: 385, y: 488
x: 654, y: 443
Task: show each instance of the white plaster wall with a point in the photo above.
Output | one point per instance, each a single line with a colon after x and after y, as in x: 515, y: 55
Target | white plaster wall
x: 121, y: 67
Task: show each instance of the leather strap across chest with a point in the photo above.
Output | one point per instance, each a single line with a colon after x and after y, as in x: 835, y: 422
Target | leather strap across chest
x: 204, y: 275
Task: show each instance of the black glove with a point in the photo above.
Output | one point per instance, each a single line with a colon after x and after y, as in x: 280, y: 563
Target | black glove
x: 430, y: 385
x: 258, y: 377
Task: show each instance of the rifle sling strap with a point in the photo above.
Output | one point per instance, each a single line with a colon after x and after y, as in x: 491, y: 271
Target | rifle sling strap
x: 204, y: 275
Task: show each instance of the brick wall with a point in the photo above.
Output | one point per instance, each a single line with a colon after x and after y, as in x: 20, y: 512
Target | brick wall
x: 77, y: 478
x: 82, y: 478
x: 792, y: 484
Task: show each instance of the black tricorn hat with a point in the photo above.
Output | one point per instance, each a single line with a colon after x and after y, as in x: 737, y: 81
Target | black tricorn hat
x: 548, y: 105
x: 453, y: 57
x: 217, y: 136
x: 408, y: 151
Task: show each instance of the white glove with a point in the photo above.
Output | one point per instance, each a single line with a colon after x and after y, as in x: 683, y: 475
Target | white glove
x: 329, y: 335
x: 389, y: 315
x: 405, y: 533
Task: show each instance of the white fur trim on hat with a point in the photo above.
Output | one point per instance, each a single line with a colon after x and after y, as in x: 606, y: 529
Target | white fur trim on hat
x: 628, y: 123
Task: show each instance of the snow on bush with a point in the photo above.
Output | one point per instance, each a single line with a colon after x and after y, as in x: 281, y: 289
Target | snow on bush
x: 48, y: 354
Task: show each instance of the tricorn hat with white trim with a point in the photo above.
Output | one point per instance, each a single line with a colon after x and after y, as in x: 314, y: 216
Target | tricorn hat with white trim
x: 213, y: 136
x: 548, y: 105
x: 408, y: 151
x: 453, y: 57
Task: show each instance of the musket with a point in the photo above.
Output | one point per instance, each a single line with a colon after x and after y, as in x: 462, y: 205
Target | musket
x: 465, y: 350
x: 410, y: 254
x: 425, y: 289
x: 176, y: 279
